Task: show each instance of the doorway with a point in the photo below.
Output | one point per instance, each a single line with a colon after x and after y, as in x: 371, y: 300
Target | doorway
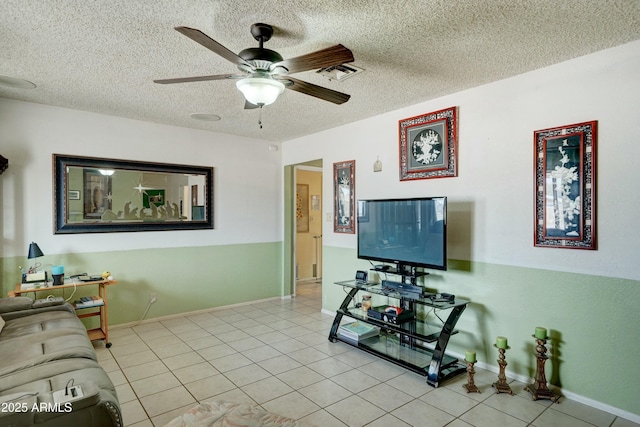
x: 308, y: 226
x: 311, y: 270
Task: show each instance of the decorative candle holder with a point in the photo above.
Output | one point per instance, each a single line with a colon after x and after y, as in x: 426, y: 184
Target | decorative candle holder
x: 470, y: 386
x: 501, y: 385
x: 539, y: 389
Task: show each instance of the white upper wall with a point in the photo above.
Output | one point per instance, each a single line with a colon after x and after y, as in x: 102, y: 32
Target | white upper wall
x: 247, y: 178
x: 491, y: 202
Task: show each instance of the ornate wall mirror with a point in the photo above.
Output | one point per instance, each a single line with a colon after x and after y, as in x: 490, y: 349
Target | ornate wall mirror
x: 93, y: 195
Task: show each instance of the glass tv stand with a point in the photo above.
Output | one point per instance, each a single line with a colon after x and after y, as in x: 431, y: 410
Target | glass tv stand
x: 405, y: 344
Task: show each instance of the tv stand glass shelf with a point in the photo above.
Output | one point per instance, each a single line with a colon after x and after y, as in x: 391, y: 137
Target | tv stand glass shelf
x: 404, y: 343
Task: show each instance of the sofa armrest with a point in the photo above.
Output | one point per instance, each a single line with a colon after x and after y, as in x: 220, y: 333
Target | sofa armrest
x: 16, y: 408
x: 26, y: 409
x: 13, y: 308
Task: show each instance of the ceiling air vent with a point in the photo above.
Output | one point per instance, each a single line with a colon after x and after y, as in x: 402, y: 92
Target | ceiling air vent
x: 340, y: 72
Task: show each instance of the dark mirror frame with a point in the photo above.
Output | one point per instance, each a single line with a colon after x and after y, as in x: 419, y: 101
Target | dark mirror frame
x: 60, y: 192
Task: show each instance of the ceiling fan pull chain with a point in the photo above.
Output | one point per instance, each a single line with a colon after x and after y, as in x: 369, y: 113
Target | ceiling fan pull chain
x: 260, y: 117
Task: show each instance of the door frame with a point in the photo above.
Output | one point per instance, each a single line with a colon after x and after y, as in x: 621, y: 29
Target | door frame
x: 289, y: 243
x: 296, y: 168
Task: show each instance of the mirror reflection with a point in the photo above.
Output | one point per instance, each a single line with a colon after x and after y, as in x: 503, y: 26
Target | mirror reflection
x: 101, y: 195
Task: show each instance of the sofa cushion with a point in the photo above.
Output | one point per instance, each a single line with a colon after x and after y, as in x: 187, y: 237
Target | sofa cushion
x: 31, y: 350
x: 29, y: 308
x: 54, y: 375
x: 40, y: 322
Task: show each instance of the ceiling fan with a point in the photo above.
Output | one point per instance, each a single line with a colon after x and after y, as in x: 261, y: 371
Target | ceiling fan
x: 265, y: 74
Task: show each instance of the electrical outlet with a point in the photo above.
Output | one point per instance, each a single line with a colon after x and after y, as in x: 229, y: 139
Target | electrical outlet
x: 153, y: 298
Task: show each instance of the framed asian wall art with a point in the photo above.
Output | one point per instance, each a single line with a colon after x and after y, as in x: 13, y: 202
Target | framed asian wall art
x: 565, y: 184
x: 428, y: 145
x: 344, y: 189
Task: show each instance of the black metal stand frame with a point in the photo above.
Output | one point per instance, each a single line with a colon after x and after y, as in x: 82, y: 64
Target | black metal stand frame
x: 441, y: 367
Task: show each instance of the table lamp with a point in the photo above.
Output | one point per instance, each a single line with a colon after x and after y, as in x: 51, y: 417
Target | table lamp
x: 35, y: 252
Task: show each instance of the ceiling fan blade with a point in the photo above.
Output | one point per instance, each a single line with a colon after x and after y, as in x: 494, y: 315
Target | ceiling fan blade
x: 206, y: 41
x: 334, y: 55
x: 317, y: 91
x: 199, y: 78
x: 250, y: 106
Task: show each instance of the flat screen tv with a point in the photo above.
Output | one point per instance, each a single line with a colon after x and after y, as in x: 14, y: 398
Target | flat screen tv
x: 406, y: 232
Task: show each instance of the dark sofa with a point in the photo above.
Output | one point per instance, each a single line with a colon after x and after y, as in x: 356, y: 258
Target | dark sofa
x: 45, y: 354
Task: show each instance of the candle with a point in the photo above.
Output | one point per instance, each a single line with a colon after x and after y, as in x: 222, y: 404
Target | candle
x: 470, y: 356
x: 501, y: 342
x: 541, y: 333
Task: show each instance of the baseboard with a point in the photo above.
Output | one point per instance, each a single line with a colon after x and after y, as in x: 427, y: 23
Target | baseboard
x: 564, y: 392
x: 191, y: 313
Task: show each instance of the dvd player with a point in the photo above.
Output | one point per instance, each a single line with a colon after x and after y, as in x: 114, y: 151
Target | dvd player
x: 390, y: 314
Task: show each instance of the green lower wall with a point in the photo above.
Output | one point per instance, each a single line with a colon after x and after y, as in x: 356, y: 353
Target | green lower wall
x: 594, y: 321
x: 184, y: 279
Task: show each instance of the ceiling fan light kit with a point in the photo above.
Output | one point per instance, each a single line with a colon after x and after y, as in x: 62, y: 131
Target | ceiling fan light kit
x: 265, y: 74
x: 260, y: 90
x: 16, y: 83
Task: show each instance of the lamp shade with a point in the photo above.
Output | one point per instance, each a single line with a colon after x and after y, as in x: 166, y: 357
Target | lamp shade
x: 3, y: 164
x: 260, y: 90
x: 34, y: 251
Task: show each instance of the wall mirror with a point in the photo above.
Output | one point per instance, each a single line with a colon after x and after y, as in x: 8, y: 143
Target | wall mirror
x: 93, y: 195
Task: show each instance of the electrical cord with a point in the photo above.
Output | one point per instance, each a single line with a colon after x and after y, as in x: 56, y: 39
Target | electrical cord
x: 146, y: 311
x: 66, y: 387
x: 435, y: 313
x: 75, y: 287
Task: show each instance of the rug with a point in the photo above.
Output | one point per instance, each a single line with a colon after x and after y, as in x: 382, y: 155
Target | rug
x: 229, y: 414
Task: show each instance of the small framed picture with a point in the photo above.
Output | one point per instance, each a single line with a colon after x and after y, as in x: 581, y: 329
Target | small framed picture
x: 428, y: 145
x: 565, y: 178
x: 74, y: 195
x: 155, y: 198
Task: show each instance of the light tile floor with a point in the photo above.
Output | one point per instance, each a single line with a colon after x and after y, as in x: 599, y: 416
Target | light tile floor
x: 276, y: 354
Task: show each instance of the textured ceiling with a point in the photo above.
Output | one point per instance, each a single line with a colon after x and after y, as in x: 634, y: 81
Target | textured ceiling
x: 102, y: 56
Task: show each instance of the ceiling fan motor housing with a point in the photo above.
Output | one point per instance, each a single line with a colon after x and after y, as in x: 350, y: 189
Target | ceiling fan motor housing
x: 261, y: 58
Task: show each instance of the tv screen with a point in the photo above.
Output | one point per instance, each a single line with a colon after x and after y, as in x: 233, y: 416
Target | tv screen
x: 404, y: 231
